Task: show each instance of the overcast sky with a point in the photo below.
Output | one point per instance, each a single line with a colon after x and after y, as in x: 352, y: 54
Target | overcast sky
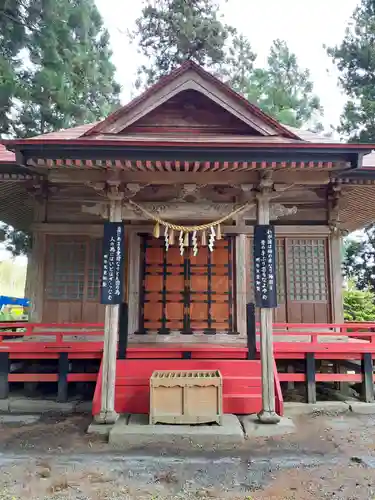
x: 305, y: 25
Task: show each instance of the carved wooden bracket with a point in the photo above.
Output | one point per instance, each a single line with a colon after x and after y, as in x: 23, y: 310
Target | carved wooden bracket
x: 334, y: 195
x: 41, y: 190
x: 114, y: 189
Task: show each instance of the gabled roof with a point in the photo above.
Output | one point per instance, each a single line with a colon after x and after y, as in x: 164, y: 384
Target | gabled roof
x: 183, y: 114
x: 191, y: 77
x: 6, y: 156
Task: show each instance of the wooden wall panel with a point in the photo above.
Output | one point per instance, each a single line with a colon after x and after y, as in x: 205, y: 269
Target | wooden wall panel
x: 303, y: 288
x: 308, y: 287
x: 72, y: 280
x: 190, y: 111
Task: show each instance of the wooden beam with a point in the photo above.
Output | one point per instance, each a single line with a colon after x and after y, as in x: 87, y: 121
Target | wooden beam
x: 96, y: 230
x: 76, y: 176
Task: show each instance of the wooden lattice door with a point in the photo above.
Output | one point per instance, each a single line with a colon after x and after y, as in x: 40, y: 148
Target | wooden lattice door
x: 186, y: 293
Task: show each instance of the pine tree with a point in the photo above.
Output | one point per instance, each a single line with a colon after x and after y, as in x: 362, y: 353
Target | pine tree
x: 12, y: 40
x: 284, y: 90
x: 71, y: 79
x: 66, y: 78
x: 355, y: 59
x: 237, y: 69
x: 169, y: 32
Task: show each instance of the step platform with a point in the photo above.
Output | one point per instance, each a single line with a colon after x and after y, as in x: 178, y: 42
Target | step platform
x: 135, y: 433
x: 242, y: 390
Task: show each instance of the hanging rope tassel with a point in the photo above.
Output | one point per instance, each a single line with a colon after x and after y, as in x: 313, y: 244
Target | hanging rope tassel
x: 166, y: 238
x: 156, y: 231
x: 171, y: 237
x: 219, y: 236
x: 181, y: 242
x: 195, y: 243
x: 211, y: 239
x: 186, y: 240
x: 204, y: 239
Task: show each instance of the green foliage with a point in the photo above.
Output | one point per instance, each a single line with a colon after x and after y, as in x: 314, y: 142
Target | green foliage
x: 355, y: 59
x: 237, y: 69
x: 71, y: 79
x: 283, y: 90
x: 359, y: 305
x: 55, y: 72
x: 169, y: 32
x: 12, y: 40
x: 15, y: 242
x: 359, y: 260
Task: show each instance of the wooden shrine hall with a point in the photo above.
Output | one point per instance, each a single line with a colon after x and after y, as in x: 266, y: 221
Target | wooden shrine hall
x: 185, y: 172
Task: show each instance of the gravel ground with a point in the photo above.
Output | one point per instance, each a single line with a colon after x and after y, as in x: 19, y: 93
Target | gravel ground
x: 329, y: 456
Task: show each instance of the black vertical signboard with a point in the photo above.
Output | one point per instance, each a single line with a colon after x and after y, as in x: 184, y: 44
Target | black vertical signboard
x: 113, y: 263
x: 265, y: 266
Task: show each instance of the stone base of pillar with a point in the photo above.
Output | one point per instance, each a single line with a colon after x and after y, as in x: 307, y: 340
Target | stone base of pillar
x: 107, y: 417
x: 268, y: 417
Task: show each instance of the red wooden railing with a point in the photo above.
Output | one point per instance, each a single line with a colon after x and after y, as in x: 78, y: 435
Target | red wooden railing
x: 314, y: 341
x: 56, y: 331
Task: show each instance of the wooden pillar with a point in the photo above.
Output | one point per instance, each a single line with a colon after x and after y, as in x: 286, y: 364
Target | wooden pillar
x: 107, y: 413
x: 335, y: 247
x: 134, y: 281
x: 36, y: 261
x: 268, y: 414
x: 241, y: 264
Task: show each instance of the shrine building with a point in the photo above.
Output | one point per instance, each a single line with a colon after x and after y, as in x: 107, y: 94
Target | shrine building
x: 186, y: 171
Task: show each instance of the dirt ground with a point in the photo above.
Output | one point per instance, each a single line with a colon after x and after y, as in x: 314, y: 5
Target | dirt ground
x: 329, y: 457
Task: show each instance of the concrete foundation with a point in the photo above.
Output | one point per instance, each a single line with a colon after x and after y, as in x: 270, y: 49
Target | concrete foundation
x: 254, y: 428
x: 362, y: 408
x: 99, y: 429
x: 295, y: 409
x: 30, y: 405
x: 19, y: 419
x: 4, y: 405
x: 137, y: 433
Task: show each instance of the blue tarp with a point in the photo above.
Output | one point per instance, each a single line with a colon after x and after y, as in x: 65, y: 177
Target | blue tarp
x: 13, y: 301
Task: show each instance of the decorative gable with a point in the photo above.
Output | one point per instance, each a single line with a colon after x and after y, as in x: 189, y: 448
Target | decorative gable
x: 191, y: 100
x: 190, y: 112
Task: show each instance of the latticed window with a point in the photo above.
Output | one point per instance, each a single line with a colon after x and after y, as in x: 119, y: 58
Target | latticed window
x: 73, y: 268
x: 307, y: 271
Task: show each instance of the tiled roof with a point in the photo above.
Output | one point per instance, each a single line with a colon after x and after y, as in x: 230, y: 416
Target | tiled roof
x: 67, y: 133
x: 6, y: 156
x: 306, y: 135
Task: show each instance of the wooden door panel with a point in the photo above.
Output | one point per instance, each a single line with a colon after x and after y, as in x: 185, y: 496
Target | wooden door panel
x: 175, y: 283
x: 220, y: 284
x: 72, y: 280
x: 163, y: 287
x: 174, y: 257
x: 154, y: 255
x: 198, y: 315
x: 153, y: 283
x: 308, y: 290
x: 198, y: 283
x: 185, y: 288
